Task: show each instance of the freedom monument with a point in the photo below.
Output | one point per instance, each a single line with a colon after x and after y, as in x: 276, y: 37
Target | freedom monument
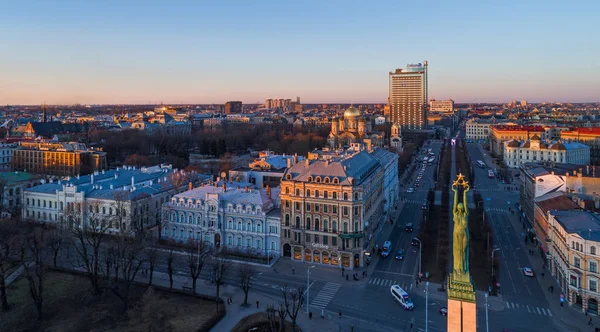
x: 462, y: 315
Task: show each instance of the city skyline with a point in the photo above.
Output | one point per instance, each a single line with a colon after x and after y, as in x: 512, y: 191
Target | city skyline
x: 335, y: 52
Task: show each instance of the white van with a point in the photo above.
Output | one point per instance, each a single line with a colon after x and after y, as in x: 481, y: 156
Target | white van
x: 402, y: 297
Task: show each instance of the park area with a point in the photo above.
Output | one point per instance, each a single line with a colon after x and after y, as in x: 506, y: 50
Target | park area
x: 70, y: 306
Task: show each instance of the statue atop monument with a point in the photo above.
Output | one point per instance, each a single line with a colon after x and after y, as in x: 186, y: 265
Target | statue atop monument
x: 460, y: 248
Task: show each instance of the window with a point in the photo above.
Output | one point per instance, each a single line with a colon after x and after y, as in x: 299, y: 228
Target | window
x: 345, y: 196
x: 317, y: 193
x: 307, y: 206
x: 325, y: 194
x: 345, y: 227
x: 593, y: 250
x: 345, y: 210
x: 356, y: 210
x: 307, y: 237
x: 239, y: 241
x: 334, y: 226
x: 594, y: 267
x: 259, y: 228
x: 316, y: 238
x: 326, y: 208
x: 325, y: 240
x: 248, y: 243
x: 297, y: 222
x: 307, y: 192
x: 577, y: 262
x: 334, y: 195
x: 287, y: 190
x: 297, y: 192
x: 230, y: 241
x: 334, y: 209
x: 258, y: 244
x: 593, y: 285
x: 334, y: 241
x: 356, y: 227
x: 325, y: 226
x: 297, y: 206
x: 287, y: 219
x: 307, y: 227
x: 356, y: 196
x: 316, y: 224
x: 317, y: 207
x: 272, y: 245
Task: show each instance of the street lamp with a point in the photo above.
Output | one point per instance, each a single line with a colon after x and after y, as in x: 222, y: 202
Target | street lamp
x: 487, y: 323
x: 493, y: 251
x: 308, y: 286
x: 420, y: 245
x: 427, y: 306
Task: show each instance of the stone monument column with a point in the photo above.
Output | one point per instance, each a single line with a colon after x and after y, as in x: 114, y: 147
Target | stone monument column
x: 462, y: 315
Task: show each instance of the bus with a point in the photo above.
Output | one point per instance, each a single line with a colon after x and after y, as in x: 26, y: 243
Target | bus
x: 481, y: 164
x: 490, y: 174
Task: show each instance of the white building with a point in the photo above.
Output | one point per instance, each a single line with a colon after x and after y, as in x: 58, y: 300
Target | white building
x: 266, y: 170
x: 389, y: 161
x: 478, y: 129
x: 226, y: 216
x: 127, y: 198
x: 441, y: 106
x: 517, y: 153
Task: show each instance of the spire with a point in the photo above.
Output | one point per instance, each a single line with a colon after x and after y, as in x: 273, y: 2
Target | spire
x: 44, y: 112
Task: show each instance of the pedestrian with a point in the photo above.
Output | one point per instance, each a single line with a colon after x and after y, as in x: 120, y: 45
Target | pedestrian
x: 310, y: 315
x: 293, y: 271
x: 343, y: 271
x: 590, y: 320
x: 322, y: 314
x: 257, y: 305
x: 347, y: 278
x: 417, y: 283
x: 543, y: 275
x: 340, y: 315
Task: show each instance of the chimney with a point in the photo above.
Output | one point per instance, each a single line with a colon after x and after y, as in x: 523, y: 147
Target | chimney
x: 111, y: 187
x: 224, y: 186
x: 246, y: 188
x: 289, y: 162
x: 580, y: 172
x: 190, y: 186
x: 295, y: 158
x: 307, y: 162
x: 552, y: 172
x: 132, y: 181
x: 268, y: 192
x: 116, y: 176
x: 596, y: 200
x: 92, y: 178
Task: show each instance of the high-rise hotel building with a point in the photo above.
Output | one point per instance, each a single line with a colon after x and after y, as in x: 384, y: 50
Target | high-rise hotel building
x: 408, y: 96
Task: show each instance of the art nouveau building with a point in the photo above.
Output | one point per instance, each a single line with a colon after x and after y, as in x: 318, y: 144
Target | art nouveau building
x: 330, y: 208
x: 225, y: 215
x: 575, y: 255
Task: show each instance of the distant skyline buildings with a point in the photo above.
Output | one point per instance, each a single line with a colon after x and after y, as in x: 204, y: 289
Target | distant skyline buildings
x: 325, y: 52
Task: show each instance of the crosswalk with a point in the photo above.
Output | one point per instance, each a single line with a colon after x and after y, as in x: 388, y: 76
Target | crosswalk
x: 496, y: 210
x: 380, y: 282
x: 529, y: 308
x: 415, y: 201
x: 325, y: 295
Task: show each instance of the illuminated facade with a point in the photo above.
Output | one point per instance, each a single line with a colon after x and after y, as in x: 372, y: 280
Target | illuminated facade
x: 351, y: 128
x: 330, y: 208
x: 57, y: 158
x: 408, y: 96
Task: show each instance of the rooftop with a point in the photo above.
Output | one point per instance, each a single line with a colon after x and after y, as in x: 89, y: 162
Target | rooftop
x: 582, y: 223
x: 583, y: 131
x: 541, y: 169
x: 16, y: 177
x: 517, y: 128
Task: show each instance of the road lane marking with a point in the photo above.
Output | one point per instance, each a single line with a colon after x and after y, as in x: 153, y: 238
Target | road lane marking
x: 508, y: 304
x: 529, y: 311
x: 538, y: 309
x: 549, y: 312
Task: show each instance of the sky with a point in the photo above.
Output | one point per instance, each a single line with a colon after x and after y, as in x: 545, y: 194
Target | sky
x: 177, y: 52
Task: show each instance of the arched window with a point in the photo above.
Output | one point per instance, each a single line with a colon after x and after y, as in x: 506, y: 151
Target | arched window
x: 297, y: 222
x: 318, y: 179
x: 326, y: 180
x: 259, y: 227
x: 287, y: 219
x: 307, y: 192
x: 325, y: 226
x: 229, y: 224
x: 289, y: 176
x: 317, y: 224
x: 325, y: 194
x: 248, y: 227
x: 335, y: 180
x: 345, y: 227
x: 272, y: 245
x: 287, y: 190
x: 297, y: 192
x: 593, y: 250
x: 310, y: 179
x: 307, y: 223
x: 316, y: 193
x: 239, y: 226
x: 356, y: 227
x: 334, y: 227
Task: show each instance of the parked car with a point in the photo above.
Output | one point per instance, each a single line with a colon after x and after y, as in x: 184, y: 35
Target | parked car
x: 528, y: 272
x: 410, y: 190
x: 443, y: 311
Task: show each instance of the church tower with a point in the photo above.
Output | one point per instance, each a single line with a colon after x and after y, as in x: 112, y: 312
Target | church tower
x: 44, y: 113
x: 396, y: 139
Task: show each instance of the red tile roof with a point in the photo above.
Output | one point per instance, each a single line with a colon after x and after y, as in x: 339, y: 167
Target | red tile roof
x: 517, y: 128
x: 583, y: 131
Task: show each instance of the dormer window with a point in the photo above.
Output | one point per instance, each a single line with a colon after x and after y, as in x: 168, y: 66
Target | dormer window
x: 335, y: 180
x: 310, y: 179
x: 326, y: 180
x: 288, y: 177
x: 318, y: 179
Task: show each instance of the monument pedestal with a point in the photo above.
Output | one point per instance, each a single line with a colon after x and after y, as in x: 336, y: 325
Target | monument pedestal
x: 462, y: 314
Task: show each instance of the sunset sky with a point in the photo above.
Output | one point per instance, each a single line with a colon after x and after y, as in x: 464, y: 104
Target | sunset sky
x: 101, y: 52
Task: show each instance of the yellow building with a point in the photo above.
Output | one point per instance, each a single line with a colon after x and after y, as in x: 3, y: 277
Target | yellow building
x: 574, y: 256
x: 588, y: 136
x: 330, y: 208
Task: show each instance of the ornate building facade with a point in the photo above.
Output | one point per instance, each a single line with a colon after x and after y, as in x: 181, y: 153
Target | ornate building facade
x: 353, y: 127
x: 330, y: 209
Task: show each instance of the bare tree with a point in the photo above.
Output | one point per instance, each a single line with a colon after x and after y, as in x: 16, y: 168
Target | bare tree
x: 245, y: 274
x: 32, y: 260
x: 3, y: 183
x: 89, y: 234
x: 8, y: 240
x: 149, y: 315
x: 276, y: 317
x: 56, y: 238
x: 152, y: 255
x: 170, y: 268
x: 196, y: 255
x: 121, y: 204
x: 130, y: 257
x: 220, y: 269
x: 293, y: 302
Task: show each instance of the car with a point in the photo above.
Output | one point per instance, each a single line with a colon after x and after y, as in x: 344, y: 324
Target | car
x: 443, y: 311
x: 424, y: 207
x: 410, y: 190
x: 387, y: 248
x: 409, y: 227
x: 528, y: 272
x: 400, y: 254
x: 416, y: 184
x: 414, y: 241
